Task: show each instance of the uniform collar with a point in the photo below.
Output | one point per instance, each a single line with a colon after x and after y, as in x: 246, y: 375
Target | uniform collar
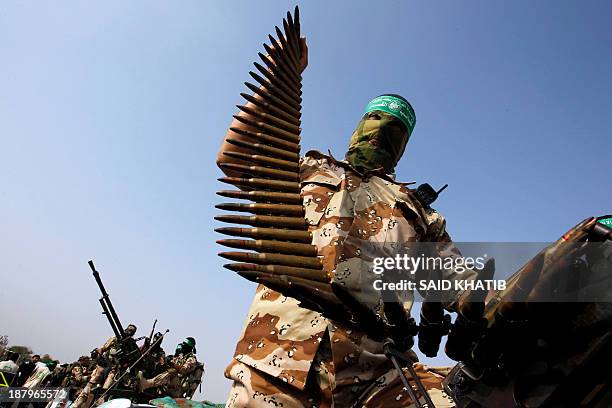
x: 364, y: 175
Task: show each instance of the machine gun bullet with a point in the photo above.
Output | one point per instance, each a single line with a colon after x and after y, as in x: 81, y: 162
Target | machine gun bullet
x: 263, y: 137
x: 265, y: 209
x: 295, y: 85
x: 285, y: 54
x: 287, y: 70
x: 286, y: 46
x: 264, y: 220
x: 256, y: 158
x: 292, y: 129
x: 290, y: 248
x: 291, y: 98
x: 294, y: 120
x: 270, y: 233
x: 273, y: 99
x: 274, y: 259
x: 266, y: 150
x: 261, y: 171
x: 304, y: 273
x: 278, y: 80
x: 258, y: 183
x: 263, y: 196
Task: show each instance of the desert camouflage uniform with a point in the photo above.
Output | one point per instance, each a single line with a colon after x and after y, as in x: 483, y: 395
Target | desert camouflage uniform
x: 85, y: 397
x: 75, y: 380
x: 290, y: 356
x: 171, y: 379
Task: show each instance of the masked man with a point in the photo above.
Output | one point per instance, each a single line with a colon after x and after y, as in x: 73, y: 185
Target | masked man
x: 180, y: 367
x: 294, y: 356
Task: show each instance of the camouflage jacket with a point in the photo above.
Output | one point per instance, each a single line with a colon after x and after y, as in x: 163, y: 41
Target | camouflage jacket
x: 184, y: 363
x: 108, y: 344
x: 346, y: 212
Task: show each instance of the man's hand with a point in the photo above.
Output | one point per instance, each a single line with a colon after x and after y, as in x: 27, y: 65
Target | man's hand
x: 303, y: 57
x: 303, y: 54
x: 228, y: 147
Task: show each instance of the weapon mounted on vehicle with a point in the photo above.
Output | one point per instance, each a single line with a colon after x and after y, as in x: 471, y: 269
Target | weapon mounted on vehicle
x: 127, y: 349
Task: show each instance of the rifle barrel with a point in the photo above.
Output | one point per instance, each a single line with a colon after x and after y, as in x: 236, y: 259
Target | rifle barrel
x: 110, y: 320
x: 107, y: 306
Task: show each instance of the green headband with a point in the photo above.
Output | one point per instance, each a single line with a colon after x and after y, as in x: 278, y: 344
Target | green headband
x: 396, y: 107
x: 606, y: 220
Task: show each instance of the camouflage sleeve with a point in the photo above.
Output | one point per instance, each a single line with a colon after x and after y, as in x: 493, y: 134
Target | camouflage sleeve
x: 447, y: 249
x: 106, y: 346
x: 188, y: 366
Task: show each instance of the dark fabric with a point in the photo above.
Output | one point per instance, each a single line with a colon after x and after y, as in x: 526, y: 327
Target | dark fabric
x: 25, y: 370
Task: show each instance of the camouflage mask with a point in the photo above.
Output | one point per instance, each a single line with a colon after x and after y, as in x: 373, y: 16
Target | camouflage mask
x: 379, y: 141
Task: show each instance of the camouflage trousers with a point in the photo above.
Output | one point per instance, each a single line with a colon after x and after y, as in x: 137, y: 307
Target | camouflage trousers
x: 169, y: 380
x: 85, y: 397
x: 254, y: 388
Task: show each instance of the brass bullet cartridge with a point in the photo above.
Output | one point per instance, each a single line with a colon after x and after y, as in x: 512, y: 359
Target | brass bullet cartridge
x: 294, y: 120
x: 268, y: 258
x: 265, y: 209
x: 304, y: 273
x: 264, y: 220
x: 292, y: 100
x: 270, y: 233
x: 262, y: 171
x: 277, y: 80
x: 287, y: 70
x: 263, y: 196
x: 285, y: 45
x: 260, y: 245
x: 257, y: 158
x: 259, y: 183
x: 267, y: 150
x: 274, y: 136
x: 296, y: 86
x: 276, y: 121
x: 292, y: 41
x: 273, y: 99
x: 285, y: 54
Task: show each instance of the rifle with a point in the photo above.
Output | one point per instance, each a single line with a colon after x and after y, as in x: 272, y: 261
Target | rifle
x: 133, y: 365
x: 147, y: 341
x: 127, y: 349
x: 515, y: 340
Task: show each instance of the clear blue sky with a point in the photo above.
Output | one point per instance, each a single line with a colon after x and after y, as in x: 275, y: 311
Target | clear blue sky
x: 111, y: 114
